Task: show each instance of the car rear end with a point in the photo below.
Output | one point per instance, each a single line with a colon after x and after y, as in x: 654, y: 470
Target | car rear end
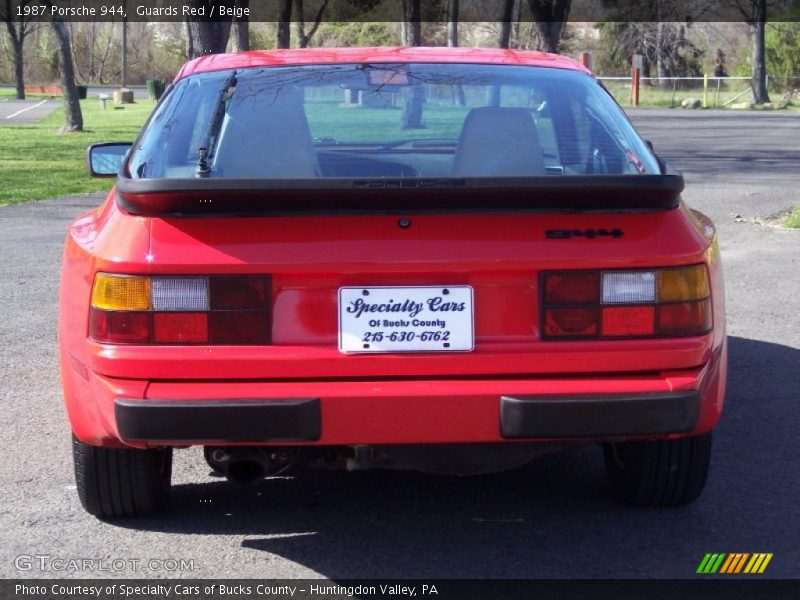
x: 368, y: 297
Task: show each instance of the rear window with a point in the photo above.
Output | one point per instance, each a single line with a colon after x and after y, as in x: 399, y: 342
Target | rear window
x: 388, y: 121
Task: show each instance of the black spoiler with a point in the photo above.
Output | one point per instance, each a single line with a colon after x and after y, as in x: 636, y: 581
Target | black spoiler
x: 584, y: 193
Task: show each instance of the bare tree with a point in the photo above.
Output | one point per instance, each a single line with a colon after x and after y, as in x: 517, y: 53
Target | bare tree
x: 452, y: 23
x: 73, y: 117
x: 284, y: 38
x: 506, y: 22
x: 303, y: 36
x: 241, y: 28
x: 412, y: 26
x: 18, y: 29
x: 754, y: 13
x: 550, y: 17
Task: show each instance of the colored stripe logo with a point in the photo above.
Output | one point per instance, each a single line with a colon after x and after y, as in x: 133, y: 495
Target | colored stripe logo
x: 733, y: 563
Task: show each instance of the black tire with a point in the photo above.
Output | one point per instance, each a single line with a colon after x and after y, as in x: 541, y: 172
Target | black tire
x: 122, y: 483
x: 658, y: 472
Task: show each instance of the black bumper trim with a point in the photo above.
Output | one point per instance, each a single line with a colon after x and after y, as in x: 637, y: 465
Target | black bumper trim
x: 258, y: 420
x: 599, y: 415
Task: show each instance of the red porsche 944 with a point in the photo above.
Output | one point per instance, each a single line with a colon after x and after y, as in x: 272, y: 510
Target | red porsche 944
x: 426, y: 258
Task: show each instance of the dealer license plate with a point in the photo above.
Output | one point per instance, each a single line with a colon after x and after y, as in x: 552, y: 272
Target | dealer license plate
x: 406, y: 319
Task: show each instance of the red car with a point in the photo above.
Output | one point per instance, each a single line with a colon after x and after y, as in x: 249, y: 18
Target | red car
x: 428, y: 258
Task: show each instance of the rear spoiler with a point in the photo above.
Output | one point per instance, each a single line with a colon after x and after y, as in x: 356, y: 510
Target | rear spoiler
x: 585, y: 193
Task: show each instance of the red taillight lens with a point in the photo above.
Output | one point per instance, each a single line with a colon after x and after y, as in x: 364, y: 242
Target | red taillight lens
x: 244, y: 327
x: 571, y: 322
x: 119, y: 327
x: 628, y: 320
x: 196, y: 309
x: 236, y: 292
x: 686, y: 318
x: 180, y: 328
x: 572, y: 288
x: 672, y: 301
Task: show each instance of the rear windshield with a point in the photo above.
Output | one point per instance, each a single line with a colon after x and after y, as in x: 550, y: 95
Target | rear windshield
x: 389, y: 120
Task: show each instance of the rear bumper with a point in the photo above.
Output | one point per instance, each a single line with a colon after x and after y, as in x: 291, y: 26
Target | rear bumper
x: 138, y: 413
x: 599, y: 415
x: 300, y: 420
x: 277, y: 420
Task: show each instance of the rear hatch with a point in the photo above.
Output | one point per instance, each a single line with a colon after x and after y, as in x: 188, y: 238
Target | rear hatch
x: 500, y: 257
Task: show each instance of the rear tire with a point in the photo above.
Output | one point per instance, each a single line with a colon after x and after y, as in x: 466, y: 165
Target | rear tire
x: 122, y: 483
x: 658, y: 472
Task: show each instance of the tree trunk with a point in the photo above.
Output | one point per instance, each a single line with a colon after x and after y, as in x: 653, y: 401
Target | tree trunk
x: 412, y: 36
x: 241, y: 29
x: 284, y: 38
x: 759, y: 82
x: 19, y: 70
x: 504, y: 37
x: 73, y: 118
x: 189, y: 41
x: 550, y: 16
x: 412, y: 27
x: 452, y: 24
x: 209, y: 37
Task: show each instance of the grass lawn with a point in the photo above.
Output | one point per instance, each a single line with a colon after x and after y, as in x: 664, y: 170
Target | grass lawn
x: 793, y: 219
x: 39, y: 161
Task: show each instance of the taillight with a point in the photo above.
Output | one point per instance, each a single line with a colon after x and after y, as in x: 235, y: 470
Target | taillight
x: 626, y: 303
x: 215, y: 309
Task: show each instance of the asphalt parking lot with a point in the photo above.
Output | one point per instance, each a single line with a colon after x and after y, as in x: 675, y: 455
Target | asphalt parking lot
x: 553, y: 518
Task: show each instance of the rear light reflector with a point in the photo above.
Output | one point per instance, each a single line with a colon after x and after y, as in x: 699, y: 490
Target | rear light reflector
x: 120, y: 327
x: 572, y: 287
x: 239, y: 327
x: 626, y: 303
x: 232, y: 292
x: 572, y: 322
x: 686, y: 318
x: 225, y: 309
x: 629, y: 287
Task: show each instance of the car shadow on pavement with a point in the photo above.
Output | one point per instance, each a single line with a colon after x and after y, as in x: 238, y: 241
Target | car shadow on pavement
x: 553, y: 517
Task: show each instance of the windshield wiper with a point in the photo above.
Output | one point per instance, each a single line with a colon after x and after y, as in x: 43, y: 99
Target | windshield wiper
x: 206, y: 151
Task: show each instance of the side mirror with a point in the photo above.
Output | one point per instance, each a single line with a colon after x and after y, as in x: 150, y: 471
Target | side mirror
x: 105, y: 160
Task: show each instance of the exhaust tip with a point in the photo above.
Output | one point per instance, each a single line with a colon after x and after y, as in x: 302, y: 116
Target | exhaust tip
x: 246, y: 472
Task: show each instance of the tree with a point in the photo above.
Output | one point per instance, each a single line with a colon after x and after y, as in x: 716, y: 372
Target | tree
x: 550, y: 17
x: 284, y: 37
x: 303, y: 36
x: 411, y: 32
x: 452, y: 24
x: 504, y: 37
x: 754, y: 13
x: 241, y: 28
x: 207, y: 36
x: 18, y: 29
x: 412, y: 36
x: 73, y: 117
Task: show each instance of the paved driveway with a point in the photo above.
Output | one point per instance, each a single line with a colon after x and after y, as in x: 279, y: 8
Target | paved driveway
x: 553, y: 518
x: 25, y: 112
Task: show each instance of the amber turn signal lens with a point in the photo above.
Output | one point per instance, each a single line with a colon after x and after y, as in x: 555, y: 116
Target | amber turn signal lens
x: 683, y: 285
x: 121, y: 292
